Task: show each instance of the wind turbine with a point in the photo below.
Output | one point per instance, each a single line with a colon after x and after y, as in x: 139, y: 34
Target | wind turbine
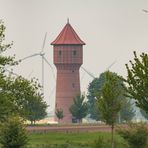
x: 42, y: 54
x: 91, y: 74
x: 144, y: 10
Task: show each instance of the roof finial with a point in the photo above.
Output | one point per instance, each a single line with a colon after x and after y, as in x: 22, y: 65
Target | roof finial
x: 68, y: 20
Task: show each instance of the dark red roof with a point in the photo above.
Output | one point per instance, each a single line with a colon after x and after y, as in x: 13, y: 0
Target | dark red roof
x: 68, y: 36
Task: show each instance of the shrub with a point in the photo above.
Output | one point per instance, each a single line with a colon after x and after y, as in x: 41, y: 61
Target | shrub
x: 13, y: 133
x: 99, y: 143
x: 136, y: 135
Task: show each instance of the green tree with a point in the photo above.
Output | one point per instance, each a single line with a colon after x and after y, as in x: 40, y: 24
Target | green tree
x: 35, y: 109
x: 127, y: 112
x: 6, y: 105
x: 109, y: 102
x: 13, y: 133
x: 137, y: 80
x: 79, y: 109
x: 59, y: 113
x: 27, y: 98
x: 16, y: 93
x: 4, y: 60
x: 94, y: 86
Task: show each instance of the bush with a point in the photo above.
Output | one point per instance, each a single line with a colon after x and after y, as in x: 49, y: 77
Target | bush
x: 103, y: 142
x: 13, y: 133
x: 99, y: 143
x: 136, y: 135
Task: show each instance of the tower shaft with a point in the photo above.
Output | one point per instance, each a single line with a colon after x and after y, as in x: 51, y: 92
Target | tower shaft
x: 67, y: 87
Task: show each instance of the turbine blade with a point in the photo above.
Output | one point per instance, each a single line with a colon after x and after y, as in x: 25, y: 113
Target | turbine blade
x: 33, y: 55
x: 146, y: 11
x: 89, y: 73
x: 44, y: 41
x: 50, y: 66
x: 111, y: 65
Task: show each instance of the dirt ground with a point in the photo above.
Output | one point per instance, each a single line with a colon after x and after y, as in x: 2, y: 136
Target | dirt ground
x: 70, y: 128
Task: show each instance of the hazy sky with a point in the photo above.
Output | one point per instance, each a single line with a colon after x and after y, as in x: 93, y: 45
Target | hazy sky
x: 111, y: 29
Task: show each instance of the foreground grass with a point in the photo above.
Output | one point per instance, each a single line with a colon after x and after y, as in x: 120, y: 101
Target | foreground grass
x: 72, y: 140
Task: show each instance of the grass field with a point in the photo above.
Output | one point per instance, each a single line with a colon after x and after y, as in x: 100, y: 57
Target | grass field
x: 72, y: 140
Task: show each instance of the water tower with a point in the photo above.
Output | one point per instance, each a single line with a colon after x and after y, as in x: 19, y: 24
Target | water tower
x: 68, y: 57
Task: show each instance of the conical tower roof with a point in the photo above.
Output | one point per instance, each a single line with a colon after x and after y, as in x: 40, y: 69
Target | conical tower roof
x: 68, y: 36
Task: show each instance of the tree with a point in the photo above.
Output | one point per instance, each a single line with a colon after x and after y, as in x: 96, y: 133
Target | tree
x: 27, y: 97
x: 59, y: 113
x: 109, y: 102
x: 137, y: 80
x: 6, y: 105
x: 126, y: 113
x: 16, y: 93
x: 35, y: 109
x: 79, y: 109
x: 3, y: 47
x: 94, y: 86
x: 13, y: 133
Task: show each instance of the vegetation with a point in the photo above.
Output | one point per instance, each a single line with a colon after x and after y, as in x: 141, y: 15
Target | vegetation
x: 59, y: 113
x: 17, y: 94
x: 136, y: 135
x: 79, y: 109
x: 126, y: 113
x: 13, y: 133
x: 109, y: 101
x: 94, y: 86
x: 137, y: 80
x: 6, y: 105
x: 74, y: 140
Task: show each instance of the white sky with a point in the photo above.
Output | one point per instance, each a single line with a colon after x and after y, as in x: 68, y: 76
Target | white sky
x: 111, y: 29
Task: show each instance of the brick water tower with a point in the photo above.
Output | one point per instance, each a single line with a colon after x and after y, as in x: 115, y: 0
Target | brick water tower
x: 68, y: 57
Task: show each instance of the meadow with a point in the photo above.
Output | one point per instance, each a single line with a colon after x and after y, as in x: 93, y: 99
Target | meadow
x: 73, y: 140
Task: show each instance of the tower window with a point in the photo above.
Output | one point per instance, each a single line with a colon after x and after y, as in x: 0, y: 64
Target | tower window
x: 73, y: 85
x: 60, y: 52
x: 74, y: 52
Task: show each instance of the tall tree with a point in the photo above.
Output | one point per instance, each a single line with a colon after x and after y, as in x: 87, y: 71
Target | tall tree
x: 6, y: 105
x: 94, y: 86
x: 127, y: 112
x: 109, y: 102
x: 137, y: 80
x: 79, y: 109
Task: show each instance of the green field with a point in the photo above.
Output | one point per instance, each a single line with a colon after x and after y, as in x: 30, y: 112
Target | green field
x: 71, y: 140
